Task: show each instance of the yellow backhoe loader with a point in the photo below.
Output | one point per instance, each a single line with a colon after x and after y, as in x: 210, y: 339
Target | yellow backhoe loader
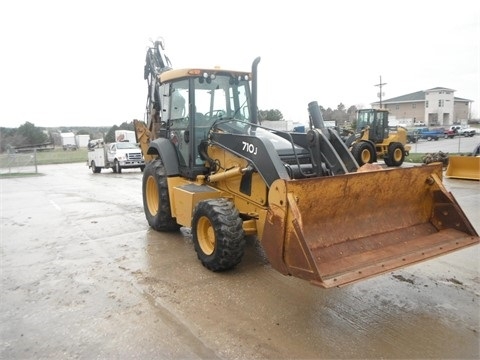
x: 464, y: 167
x: 213, y: 168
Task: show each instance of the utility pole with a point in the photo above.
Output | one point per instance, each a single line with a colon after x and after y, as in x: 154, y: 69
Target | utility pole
x: 380, y: 93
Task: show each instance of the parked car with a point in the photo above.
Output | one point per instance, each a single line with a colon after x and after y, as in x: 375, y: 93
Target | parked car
x: 412, y: 136
x: 420, y: 123
x: 449, y: 133
x: 70, y: 147
x: 431, y: 134
x: 463, y: 130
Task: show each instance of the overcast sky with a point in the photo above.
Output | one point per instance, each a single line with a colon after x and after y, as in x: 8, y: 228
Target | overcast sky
x: 80, y: 63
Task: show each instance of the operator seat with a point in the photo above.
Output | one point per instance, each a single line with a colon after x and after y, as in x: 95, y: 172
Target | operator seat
x: 200, y: 119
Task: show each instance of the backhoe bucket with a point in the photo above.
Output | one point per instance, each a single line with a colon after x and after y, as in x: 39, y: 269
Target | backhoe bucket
x: 340, y: 229
x: 463, y: 167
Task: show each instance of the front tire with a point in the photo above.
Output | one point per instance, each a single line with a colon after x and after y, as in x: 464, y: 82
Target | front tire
x: 117, y: 168
x: 156, y: 201
x: 396, y: 154
x: 217, y: 234
x: 363, y: 153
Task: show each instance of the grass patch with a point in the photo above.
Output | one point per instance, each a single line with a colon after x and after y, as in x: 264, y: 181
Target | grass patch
x: 60, y: 156
x: 414, y: 157
x: 29, y: 159
x: 418, y: 157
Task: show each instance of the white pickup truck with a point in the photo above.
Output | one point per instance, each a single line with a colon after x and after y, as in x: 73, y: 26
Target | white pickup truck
x: 117, y: 156
x: 463, y: 130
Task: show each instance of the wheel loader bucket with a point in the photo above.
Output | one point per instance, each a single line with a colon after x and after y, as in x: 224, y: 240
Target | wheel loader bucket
x: 340, y: 229
x: 463, y: 167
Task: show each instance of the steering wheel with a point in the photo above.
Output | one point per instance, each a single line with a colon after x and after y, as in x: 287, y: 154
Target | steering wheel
x: 216, y: 113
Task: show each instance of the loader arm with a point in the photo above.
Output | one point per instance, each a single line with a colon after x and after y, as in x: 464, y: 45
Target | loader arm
x: 255, y: 150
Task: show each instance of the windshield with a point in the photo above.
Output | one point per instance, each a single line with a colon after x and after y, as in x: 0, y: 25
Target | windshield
x: 126, y: 145
x: 222, y: 96
x: 365, y: 118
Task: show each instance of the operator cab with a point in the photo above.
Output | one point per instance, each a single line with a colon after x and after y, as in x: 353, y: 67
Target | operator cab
x: 376, y: 120
x: 195, y: 102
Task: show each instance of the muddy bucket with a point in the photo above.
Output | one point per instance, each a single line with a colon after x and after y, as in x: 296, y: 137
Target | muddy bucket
x: 340, y: 229
x: 463, y: 167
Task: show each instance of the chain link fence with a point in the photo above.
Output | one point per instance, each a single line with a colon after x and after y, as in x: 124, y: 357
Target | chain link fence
x: 18, y: 163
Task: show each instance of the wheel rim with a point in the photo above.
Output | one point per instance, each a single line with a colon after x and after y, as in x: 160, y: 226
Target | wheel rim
x: 151, y: 195
x: 206, y: 235
x: 397, y: 154
x: 365, y: 156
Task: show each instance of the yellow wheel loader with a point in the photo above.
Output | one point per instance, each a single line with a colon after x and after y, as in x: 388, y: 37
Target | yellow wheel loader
x: 374, y: 139
x: 213, y: 168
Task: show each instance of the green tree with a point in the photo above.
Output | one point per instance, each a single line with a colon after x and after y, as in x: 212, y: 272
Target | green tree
x: 352, y: 115
x: 271, y: 115
x: 110, y: 136
x: 339, y: 117
x: 10, y: 138
x: 326, y: 114
x: 127, y: 126
x: 32, y: 134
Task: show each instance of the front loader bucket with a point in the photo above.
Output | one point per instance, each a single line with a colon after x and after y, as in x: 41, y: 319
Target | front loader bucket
x: 340, y: 229
x: 463, y: 167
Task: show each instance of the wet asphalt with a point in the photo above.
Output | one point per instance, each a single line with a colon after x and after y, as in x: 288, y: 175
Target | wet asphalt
x: 83, y: 277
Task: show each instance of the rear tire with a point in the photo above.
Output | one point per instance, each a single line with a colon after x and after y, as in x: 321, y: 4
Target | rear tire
x: 95, y: 169
x: 396, y: 154
x: 363, y: 153
x: 217, y: 234
x: 156, y: 201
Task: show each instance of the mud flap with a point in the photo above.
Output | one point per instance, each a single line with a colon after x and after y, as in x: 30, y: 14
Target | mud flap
x: 463, y: 167
x: 340, y: 229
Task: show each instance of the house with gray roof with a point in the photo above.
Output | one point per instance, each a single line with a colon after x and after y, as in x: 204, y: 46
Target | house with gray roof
x: 433, y: 107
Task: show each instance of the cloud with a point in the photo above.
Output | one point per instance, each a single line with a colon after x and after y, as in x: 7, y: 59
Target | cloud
x: 81, y: 62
